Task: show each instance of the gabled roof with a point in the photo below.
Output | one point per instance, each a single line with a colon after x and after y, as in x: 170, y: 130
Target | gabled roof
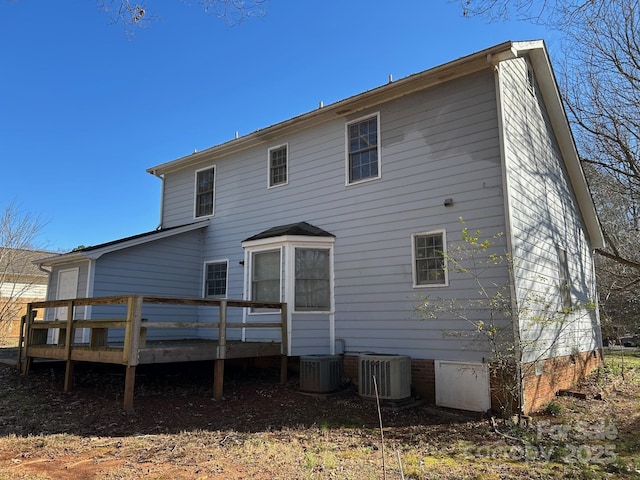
x: 482, y: 60
x: 301, y: 229
x: 398, y: 88
x: 541, y: 64
x: 22, y: 262
x: 96, y: 251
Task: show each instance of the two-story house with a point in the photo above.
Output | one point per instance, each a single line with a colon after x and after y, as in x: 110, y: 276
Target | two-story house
x: 348, y: 212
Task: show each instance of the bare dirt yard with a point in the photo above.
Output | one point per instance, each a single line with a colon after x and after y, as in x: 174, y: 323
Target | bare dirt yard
x: 264, y: 430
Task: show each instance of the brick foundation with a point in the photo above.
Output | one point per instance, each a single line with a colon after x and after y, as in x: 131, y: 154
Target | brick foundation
x: 543, y: 380
x: 423, y: 379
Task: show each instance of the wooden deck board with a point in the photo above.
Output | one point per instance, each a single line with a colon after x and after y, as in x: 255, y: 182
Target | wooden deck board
x: 136, y: 349
x: 166, y: 351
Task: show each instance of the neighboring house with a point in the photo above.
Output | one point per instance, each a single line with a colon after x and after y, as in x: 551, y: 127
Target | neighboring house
x: 21, y: 282
x: 344, y: 213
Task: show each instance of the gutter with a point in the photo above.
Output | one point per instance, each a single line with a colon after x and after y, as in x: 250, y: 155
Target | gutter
x: 350, y: 106
x: 42, y: 269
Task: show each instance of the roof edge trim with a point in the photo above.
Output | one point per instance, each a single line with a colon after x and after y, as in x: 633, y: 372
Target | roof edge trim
x: 93, y: 253
x: 419, y: 81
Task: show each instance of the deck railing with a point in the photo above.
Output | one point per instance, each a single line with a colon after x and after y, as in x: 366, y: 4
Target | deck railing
x: 33, y: 342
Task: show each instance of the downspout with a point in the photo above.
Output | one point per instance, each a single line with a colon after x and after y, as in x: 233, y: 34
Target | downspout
x: 42, y: 269
x: 515, y: 317
x: 88, y: 310
x: 161, y: 177
x: 48, y: 272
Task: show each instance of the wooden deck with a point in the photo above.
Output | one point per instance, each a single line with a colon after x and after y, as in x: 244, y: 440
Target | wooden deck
x: 135, y: 349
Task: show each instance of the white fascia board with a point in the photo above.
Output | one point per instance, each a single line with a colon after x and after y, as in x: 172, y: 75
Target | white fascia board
x: 545, y: 77
x: 62, y: 258
x: 96, y: 253
x: 347, y: 107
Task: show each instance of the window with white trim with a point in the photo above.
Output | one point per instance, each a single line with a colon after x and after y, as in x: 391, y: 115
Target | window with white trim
x: 204, y: 192
x: 298, y: 271
x: 312, y: 280
x: 278, y: 165
x: 215, y: 279
x: 429, y: 259
x: 363, y: 149
x: 265, y: 276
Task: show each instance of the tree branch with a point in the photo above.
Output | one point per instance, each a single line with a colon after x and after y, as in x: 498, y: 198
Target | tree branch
x: 619, y: 259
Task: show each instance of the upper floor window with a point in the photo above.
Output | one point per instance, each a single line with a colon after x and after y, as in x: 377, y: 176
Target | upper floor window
x: 278, y: 166
x: 363, y: 149
x: 215, y: 279
x: 429, y: 253
x: 205, y: 189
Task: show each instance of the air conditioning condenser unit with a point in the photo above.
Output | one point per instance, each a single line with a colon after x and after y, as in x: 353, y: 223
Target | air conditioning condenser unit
x: 320, y: 373
x: 392, y: 375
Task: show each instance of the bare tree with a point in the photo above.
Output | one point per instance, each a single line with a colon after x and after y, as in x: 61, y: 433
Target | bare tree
x: 132, y: 15
x: 601, y: 87
x: 548, y: 12
x: 18, y: 235
x: 600, y: 84
x: 618, y: 282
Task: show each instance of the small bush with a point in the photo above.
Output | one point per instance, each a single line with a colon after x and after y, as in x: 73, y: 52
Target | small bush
x: 553, y: 409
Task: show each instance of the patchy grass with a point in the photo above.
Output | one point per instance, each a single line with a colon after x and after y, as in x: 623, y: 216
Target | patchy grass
x: 262, y: 430
x: 627, y: 358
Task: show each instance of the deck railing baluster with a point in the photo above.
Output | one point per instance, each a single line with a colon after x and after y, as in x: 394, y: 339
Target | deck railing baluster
x: 130, y: 354
x: 68, y: 338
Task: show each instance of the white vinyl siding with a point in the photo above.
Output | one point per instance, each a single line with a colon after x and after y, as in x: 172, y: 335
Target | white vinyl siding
x: 14, y: 291
x: 363, y: 149
x: 278, y: 165
x: 564, y: 285
x: 435, y: 144
x: 544, y: 214
x: 204, y: 192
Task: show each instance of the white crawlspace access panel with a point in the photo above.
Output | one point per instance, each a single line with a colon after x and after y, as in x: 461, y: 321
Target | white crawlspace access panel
x: 462, y: 385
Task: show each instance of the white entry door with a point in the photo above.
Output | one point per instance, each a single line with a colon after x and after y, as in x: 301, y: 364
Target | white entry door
x: 67, y: 288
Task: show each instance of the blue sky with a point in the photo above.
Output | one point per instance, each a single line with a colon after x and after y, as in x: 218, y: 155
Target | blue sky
x: 84, y: 110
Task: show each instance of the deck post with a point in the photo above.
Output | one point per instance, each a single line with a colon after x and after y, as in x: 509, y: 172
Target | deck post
x: 132, y: 331
x: 284, y: 360
x: 218, y: 378
x: 30, y: 317
x: 284, y: 344
x: 218, y: 371
x: 22, y: 335
x: 129, y: 384
x: 68, y: 338
x: 68, y: 376
x: 131, y: 348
